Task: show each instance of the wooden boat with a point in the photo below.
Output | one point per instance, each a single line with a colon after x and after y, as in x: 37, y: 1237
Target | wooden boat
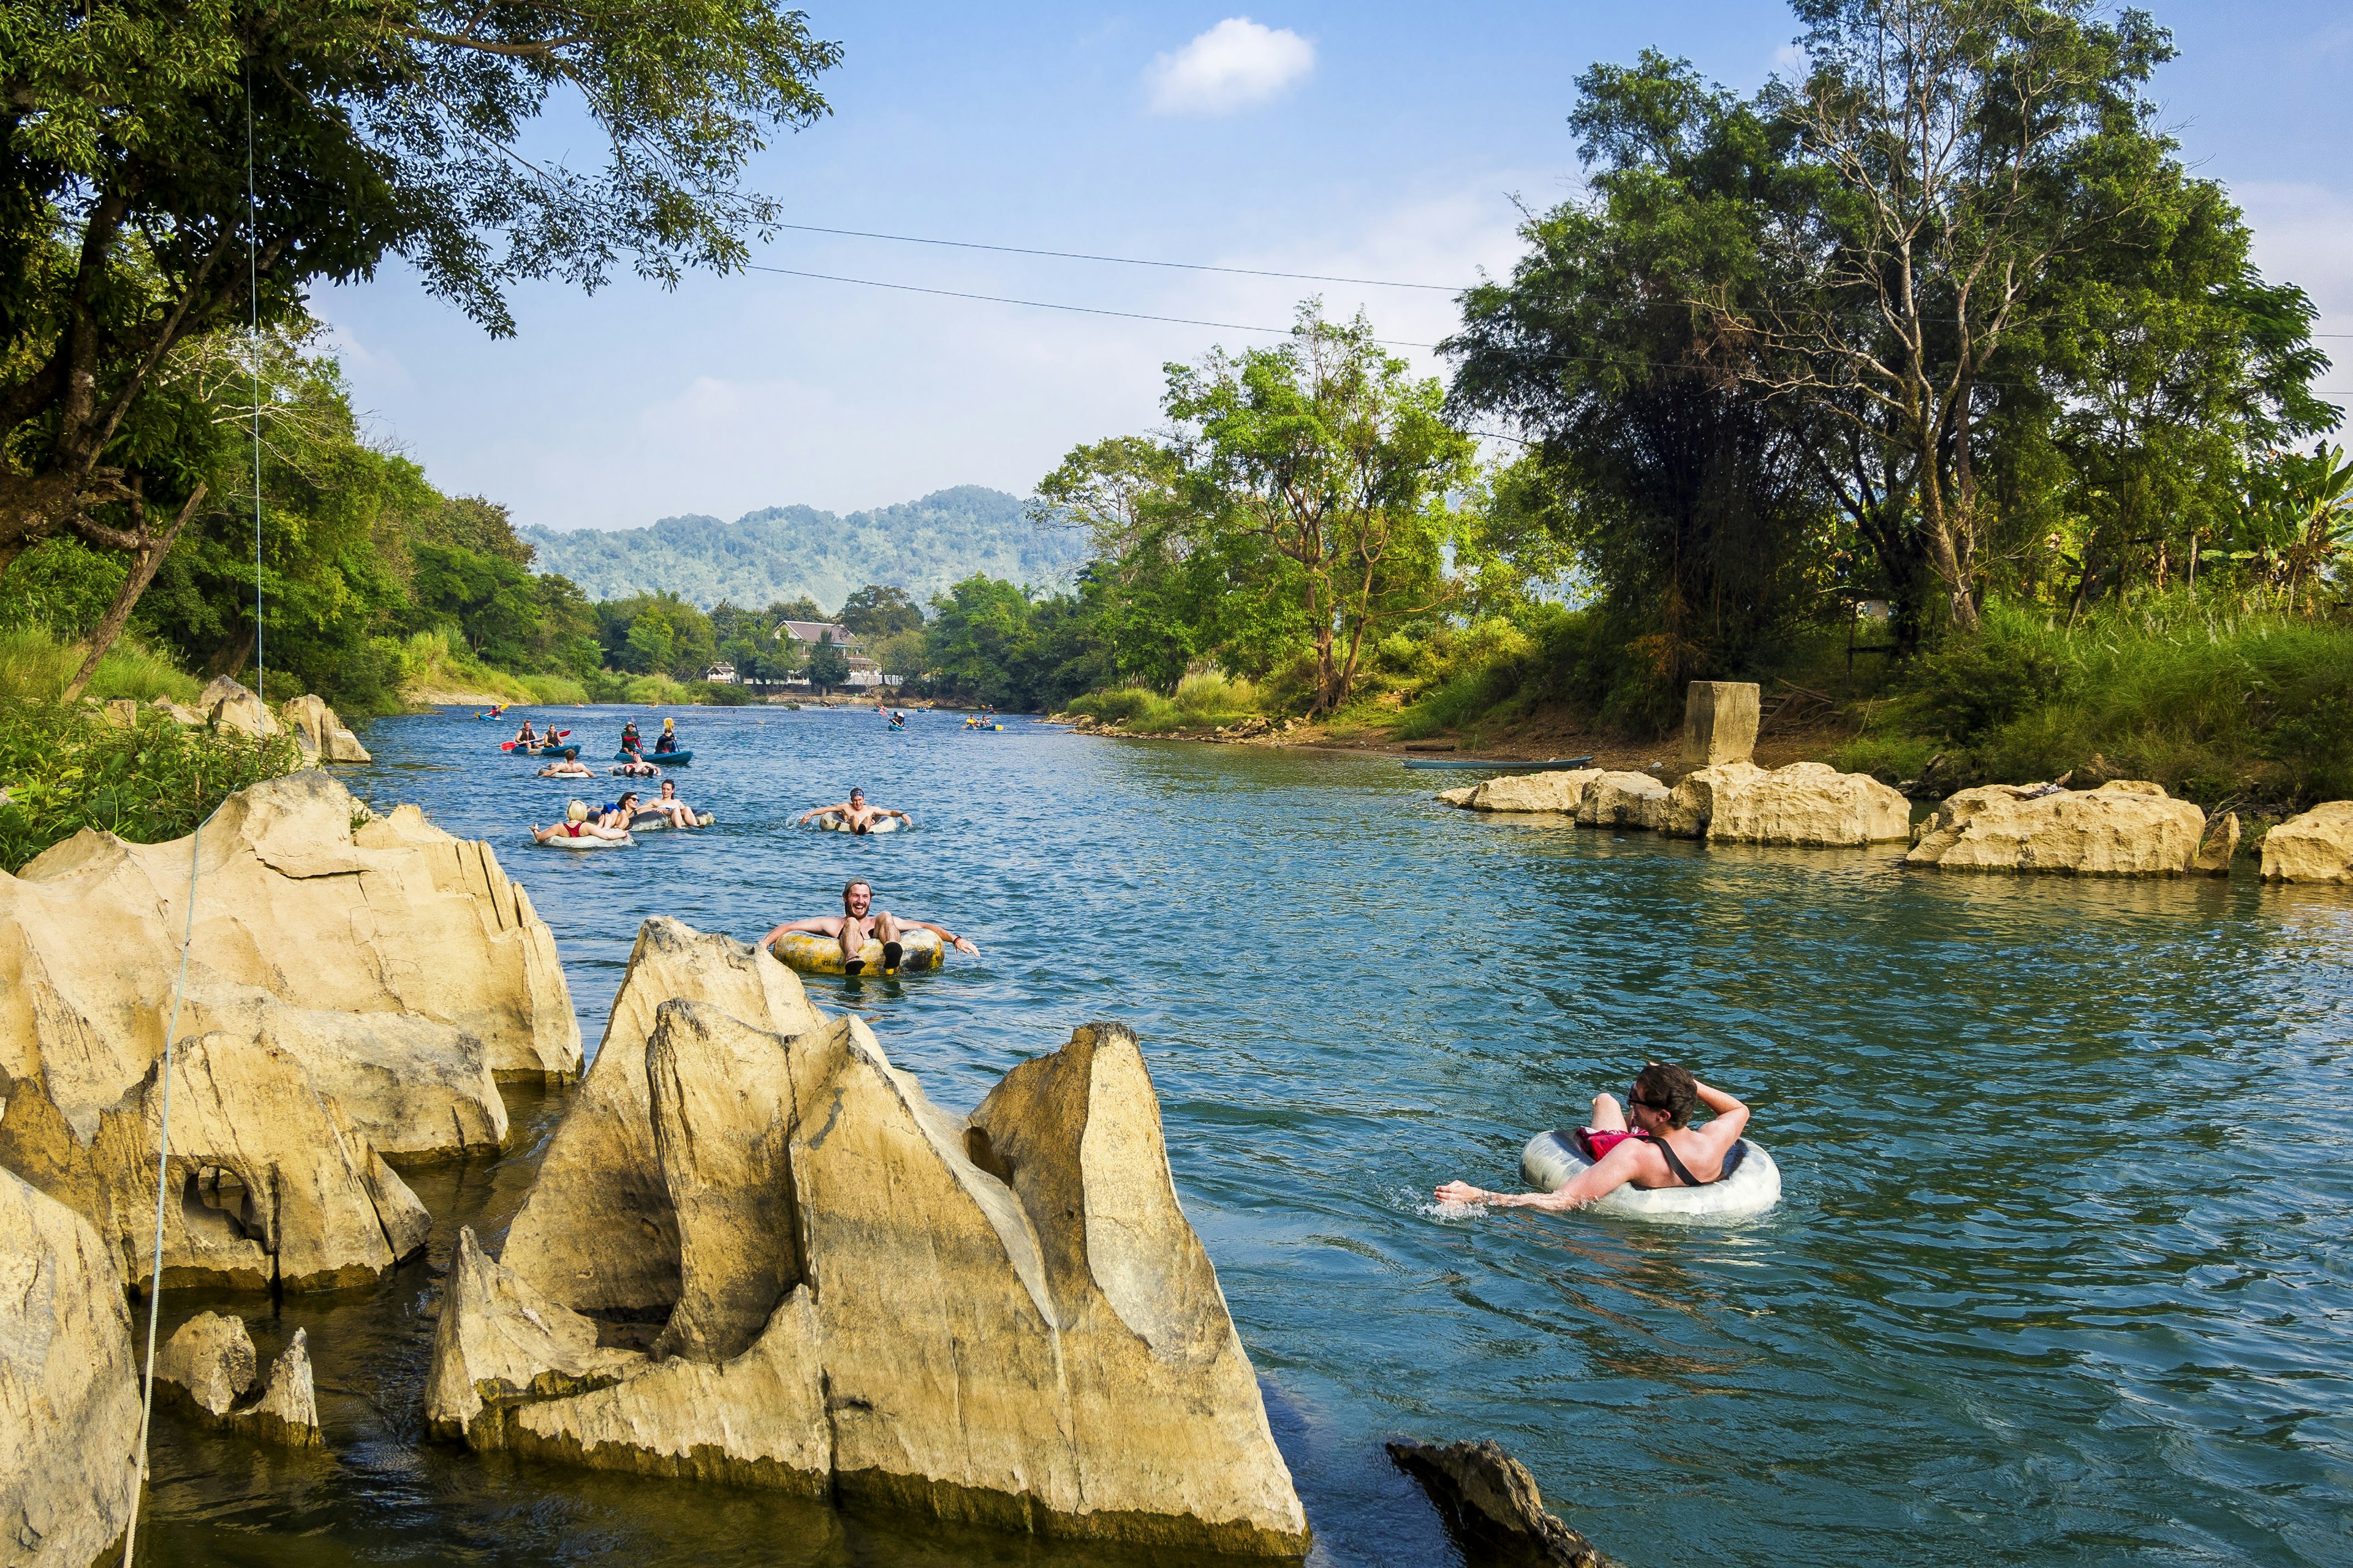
x: 1498, y: 766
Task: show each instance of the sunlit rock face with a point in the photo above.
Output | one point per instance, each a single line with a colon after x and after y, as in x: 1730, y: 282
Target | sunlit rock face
x: 1562, y: 791
x: 850, y: 1291
x: 2316, y: 847
x: 350, y: 999
x: 68, y: 1395
x: 2124, y: 829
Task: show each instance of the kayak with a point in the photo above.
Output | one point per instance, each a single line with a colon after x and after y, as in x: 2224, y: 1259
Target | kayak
x: 1492, y: 766
x: 659, y: 759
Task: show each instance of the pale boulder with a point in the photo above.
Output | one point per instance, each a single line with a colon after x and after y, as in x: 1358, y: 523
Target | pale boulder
x: 1810, y: 805
x: 1458, y: 796
x: 2316, y: 847
x: 599, y: 1232
x: 227, y: 705
x: 1692, y: 803
x: 2215, y: 850
x: 1624, y: 800
x: 1562, y: 791
x: 69, y: 1388
x: 499, y: 1343
x: 287, y: 1412
x: 2124, y: 829
x: 320, y: 734
x: 1720, y: 719
x: 208, y: 1361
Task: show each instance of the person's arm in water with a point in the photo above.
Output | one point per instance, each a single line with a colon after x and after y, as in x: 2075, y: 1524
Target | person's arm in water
x: 842, y: 806
x: 1606, y: 1175
x: 961, y: 944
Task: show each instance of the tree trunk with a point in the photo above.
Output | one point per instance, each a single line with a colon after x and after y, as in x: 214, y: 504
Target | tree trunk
x: 229, y: 658
x: 134, y: 583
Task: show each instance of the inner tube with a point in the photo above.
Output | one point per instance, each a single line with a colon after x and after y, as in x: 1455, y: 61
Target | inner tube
x: 1750, y: 1185
x: 813, y: 955
x: 834, y: 822
x: 655, y: 822
x: 587, y: 841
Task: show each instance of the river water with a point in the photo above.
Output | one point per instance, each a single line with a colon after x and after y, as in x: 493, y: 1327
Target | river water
x: 2061, y: 1275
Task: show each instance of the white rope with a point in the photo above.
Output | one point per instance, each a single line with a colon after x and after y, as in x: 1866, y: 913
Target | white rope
x: 163, y: 1186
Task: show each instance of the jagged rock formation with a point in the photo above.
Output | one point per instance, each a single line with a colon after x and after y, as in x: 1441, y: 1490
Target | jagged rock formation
x: 322, y: 735
x: 2217, y: 848
x: 1492, y: 1506
x: 2316, y: 847
x: 208, y: 1364
x: 287, y: 1411
x: 2124, y: 829
x: 227, y: 705
x: 350, y: 999
x: 69, y: 1395
x: 1004, y: 1319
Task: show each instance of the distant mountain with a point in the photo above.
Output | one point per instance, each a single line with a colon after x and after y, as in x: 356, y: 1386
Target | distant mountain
x: 785, y: 552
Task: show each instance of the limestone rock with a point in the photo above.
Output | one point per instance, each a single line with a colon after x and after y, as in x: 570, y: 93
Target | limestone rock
x: 1624, y: 800
x: 287, y: 1411
x: 1562, y: 791
x: 208, y: 1361
x: 598, y: 1233
x: 1719, y: 722
x: 179, y: 714
x: 1025, y: 1331
x: 1809, y: 803
x: 1691, y: 805
x: 227, y: 705
x: 2316, y: 847
x: 319, y: 732
x: 1492, y: 1506
x: 2124, y: 829
x: 120, y: 713
x: 2215, y: 850
x: 68, y: 1393
x: 1458, y: 796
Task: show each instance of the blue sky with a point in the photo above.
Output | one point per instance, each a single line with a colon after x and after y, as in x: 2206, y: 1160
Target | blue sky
x: 1381, y: 142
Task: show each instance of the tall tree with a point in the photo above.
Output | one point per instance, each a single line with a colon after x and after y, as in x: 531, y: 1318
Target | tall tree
x: 1326, y: 449
x: 376, y: 127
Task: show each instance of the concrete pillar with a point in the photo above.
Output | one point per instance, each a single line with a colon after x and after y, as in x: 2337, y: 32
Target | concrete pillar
x: 1719, y: 722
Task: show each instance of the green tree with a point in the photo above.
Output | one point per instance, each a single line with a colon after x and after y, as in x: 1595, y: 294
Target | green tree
x: 827, y: 665
x: 878, y: 611
x: 379, y: 128
x: 1327, y: 452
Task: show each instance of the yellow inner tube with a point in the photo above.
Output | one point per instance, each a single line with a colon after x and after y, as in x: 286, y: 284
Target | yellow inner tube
x: 810, y: 953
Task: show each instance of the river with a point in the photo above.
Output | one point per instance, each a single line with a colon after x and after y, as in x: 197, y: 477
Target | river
x: 2061, y: 1275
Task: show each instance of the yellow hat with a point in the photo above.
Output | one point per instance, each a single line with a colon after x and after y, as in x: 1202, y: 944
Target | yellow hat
x: 669, y: 723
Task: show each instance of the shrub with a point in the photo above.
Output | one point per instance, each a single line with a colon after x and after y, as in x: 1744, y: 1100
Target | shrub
x: 34, y: 666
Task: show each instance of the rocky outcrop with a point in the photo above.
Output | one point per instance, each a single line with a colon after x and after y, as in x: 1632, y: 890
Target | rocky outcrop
x: 1719, y: 722
x: 321, y: 736
x: 287, y: 1411
x: 1563, y: 790
x: 1624, y: 800
x: 2215, y: 849
x: 1026, y: 1331
x: 178, y: 713
x: 2316, y: 847
x: 597, y: 1232
x: 1459, y: 797
x: 1805, y: 803
x: 2124, y: 829
x: 208, y: 1364
x: 1492, y: 1507
x: 68, y: 1395
x: 350, y: 1002
x: 227, y: 705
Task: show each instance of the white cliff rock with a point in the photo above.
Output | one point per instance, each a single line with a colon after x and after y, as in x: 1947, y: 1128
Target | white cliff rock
x: 68, y: 1394
x: 2316, y: 847
x: 208, y: 1362
x: 1562, y: 791
x: 1809, y: 803
x: 1026, y: 1331
x: 1691, y: 805
x: 2124, y: 829
x: 227, y: 705
x: 320, y: 734
x: 1624, y: 800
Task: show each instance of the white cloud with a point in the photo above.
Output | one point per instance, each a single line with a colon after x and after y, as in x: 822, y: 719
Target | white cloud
x: 1237, y: 63
x: 2304, y: 234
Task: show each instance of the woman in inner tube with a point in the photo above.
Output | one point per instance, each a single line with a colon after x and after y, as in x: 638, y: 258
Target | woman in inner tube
x: 577, y: 824
x: 1661, y: 1148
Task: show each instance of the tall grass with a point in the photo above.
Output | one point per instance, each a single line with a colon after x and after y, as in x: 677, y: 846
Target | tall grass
x: 435, y: 662
x: 2212, y: 703
x: 34, y: 666
x: 1204, y: 700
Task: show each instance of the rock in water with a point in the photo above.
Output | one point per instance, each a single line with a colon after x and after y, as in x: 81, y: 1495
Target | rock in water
x: 1492, y: 1506
x: 1563, y: 790
x: 287, y: 1411
x: 1809, y: 805
x: 1025, y: 1331
x: 1458, y: 796
x: 2316, y: 847
x: 69, y: 1395
x: 320, y: 734
x: 1624, y: 800
x: 1720, y: 721
x: 2215, y: 850
x: 598, y: 1233
x: 208, y: 1361
x: 2124, y: 829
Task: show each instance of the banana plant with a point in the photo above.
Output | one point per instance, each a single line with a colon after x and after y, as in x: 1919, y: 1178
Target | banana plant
x: 2302, y: 508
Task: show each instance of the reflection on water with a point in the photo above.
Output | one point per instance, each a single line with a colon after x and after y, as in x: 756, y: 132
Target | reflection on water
x: 2060, y: 1274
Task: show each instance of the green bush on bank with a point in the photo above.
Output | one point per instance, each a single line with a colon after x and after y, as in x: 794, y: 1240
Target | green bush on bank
x: 66, y: 769
x: 1204, y: 700
x: 35, y: 666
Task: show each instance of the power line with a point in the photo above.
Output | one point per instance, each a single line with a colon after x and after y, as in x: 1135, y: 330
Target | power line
x: 1124, y: 260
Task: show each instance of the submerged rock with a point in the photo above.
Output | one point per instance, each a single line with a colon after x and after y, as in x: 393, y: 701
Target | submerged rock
x: 208, y: 1362
x: 68, y: 1395
x: 1492, y: 1507
x: 2316, y: 847
x: 2124, y: 829
x: 1025, y: 1331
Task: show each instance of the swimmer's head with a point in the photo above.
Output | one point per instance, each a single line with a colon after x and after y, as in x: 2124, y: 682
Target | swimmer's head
x: 1669, y: 1090
x: 856, y: 894
x: 576, y: 812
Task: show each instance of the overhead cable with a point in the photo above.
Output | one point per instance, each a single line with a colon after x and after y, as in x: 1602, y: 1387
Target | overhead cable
x: 1124, y: 260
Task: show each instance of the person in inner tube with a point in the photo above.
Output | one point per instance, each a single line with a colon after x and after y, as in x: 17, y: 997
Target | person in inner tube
x: 1661, y: 1148
x: 618, y: 813
x: 680, y: 814
x: 858, y: 920
x: 577, y: 824
x: 859, y: 816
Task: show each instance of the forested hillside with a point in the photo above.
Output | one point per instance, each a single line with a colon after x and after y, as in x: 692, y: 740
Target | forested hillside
x: 789, y: 552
